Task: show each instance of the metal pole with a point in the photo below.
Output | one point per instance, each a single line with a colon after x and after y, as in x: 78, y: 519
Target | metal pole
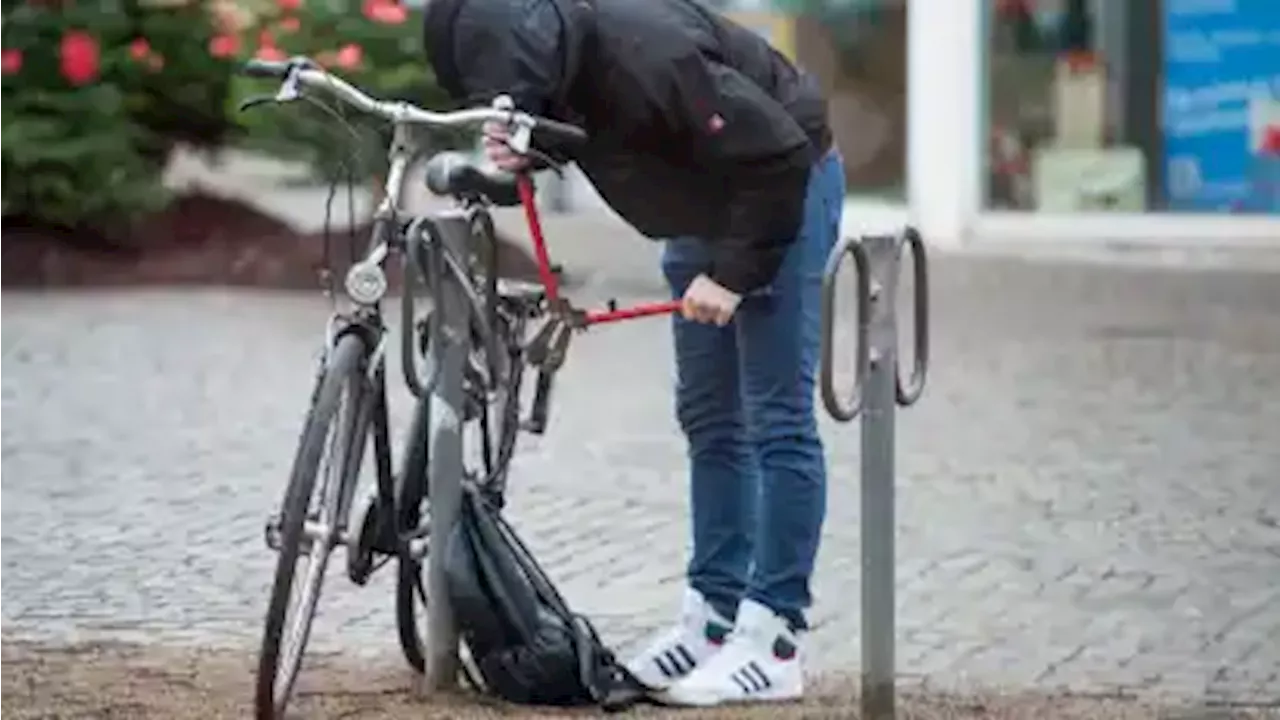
x: 877, y: 494
x: 449, y: 352
x: 877, y: 392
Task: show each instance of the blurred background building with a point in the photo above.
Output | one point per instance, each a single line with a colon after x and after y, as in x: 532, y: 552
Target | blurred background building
x: 1103, y: 120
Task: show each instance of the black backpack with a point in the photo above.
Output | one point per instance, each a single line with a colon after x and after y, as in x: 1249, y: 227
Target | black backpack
x: 525, y: 645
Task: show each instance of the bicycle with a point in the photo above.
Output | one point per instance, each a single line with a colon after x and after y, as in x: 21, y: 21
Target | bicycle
x: 477, y: 336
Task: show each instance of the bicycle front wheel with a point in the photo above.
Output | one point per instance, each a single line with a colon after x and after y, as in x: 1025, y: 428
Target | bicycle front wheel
x: 310, y: 523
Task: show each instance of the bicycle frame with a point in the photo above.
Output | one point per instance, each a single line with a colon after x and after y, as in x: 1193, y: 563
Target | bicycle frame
x: 366, y: 285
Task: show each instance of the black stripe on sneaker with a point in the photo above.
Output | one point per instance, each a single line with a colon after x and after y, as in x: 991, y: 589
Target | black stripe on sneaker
x: 667, y: 671
x: 675, y: 660
x: 764, y: 679
x: 746, y: 688
x: 688, y: 657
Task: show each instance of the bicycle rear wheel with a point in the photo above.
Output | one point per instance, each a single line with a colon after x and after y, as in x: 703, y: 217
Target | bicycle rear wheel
x: 310, y: 522
x: 488, y: 442
x: 413, y: 510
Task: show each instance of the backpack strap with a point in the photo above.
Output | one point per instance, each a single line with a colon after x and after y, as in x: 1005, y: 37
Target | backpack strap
x: 608, y: 682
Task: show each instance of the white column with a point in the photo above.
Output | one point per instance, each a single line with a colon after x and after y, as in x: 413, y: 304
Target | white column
x: 945, y: 137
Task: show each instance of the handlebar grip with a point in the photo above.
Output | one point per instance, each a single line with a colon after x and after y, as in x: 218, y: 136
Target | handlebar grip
x: 560, y: 131
x: 265, y: 69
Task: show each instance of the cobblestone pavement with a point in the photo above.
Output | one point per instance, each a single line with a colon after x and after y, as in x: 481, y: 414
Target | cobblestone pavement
x: 1089, y: 491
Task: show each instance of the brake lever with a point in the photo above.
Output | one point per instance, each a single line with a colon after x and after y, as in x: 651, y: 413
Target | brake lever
x: 551, y: 163
x: 534, y: 154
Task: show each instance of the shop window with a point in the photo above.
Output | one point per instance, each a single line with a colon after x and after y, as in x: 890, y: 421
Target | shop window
x: 857, y: 50
x: 1134, y: 105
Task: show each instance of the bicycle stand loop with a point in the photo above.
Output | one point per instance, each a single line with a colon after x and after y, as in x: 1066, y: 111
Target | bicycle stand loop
x: 908, y: 395
x: 877, y: 264
x: 878, y: 389
x: 844, y: 411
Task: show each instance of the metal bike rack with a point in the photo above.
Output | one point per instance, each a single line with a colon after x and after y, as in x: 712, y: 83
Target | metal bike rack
x: 877, y: 391
x: 449, y: 350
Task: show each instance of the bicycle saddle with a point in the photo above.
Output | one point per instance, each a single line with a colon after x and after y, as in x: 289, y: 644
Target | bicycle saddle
x: 453, y: 173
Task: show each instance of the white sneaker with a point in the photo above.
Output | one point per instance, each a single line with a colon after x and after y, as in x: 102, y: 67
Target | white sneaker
x: 675, y: 652
x: 759, y: 663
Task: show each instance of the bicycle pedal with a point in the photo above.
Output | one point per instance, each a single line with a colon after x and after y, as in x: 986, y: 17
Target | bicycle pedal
x: 536, y: 424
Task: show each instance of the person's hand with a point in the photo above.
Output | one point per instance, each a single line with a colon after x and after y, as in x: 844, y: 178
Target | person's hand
x: 496, y: 149
x: 706, y: 301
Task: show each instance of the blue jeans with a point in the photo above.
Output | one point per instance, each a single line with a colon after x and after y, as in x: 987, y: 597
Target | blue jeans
x: 745, y: 400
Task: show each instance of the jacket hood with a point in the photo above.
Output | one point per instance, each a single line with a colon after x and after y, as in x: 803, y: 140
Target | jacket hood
x: 441, y: 32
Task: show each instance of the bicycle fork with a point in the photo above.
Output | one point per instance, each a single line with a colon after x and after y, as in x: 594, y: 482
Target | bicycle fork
x: 371, y: 419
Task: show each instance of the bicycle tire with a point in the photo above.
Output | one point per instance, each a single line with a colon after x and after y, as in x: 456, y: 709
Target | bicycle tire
x: 345, y: 365
x: 411, y: 597
x: 411, y: 600
x: 412, y: 491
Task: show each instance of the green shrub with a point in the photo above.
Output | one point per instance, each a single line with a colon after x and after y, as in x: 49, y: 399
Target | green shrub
x: 95, y: 95
x: 375, y: 45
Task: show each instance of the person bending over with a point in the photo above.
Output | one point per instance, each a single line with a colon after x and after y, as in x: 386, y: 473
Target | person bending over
x: 704, y: 136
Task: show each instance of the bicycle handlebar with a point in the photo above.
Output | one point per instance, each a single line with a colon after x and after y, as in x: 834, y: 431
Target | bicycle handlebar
x: 301, y: 71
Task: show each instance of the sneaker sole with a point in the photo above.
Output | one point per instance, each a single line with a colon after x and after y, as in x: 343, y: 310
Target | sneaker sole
x: 666, y: 698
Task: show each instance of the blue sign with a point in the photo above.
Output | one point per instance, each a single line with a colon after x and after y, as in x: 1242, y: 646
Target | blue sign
x: 1221, y: 92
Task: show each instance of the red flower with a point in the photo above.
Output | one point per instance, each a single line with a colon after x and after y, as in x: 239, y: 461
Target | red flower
x: 349, y: 57
x: 289, y: 4
x: 290, y: 24
x: 270, y: 53
x: 12, y: 61
x: 224, y: 46
x: 139, y: 49
x: 79, y: 57
x: 386, y: 12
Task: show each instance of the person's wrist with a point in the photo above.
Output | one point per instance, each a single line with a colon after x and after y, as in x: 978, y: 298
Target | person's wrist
x: 726, y: 281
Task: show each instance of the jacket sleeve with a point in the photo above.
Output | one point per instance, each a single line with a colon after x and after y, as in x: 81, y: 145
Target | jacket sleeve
x: 747, y: 140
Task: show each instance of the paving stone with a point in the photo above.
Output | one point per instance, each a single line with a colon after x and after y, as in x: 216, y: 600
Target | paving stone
x: 1087, y: 492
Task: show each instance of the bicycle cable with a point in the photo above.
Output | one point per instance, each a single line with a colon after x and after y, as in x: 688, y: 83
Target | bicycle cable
x: 326, y: 233
x: 348, y: 168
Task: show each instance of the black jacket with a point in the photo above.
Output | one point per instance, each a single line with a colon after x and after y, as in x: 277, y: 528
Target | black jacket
x: 698, y: 127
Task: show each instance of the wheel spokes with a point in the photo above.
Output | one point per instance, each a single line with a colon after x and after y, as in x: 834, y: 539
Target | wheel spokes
x: 320, y: 533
